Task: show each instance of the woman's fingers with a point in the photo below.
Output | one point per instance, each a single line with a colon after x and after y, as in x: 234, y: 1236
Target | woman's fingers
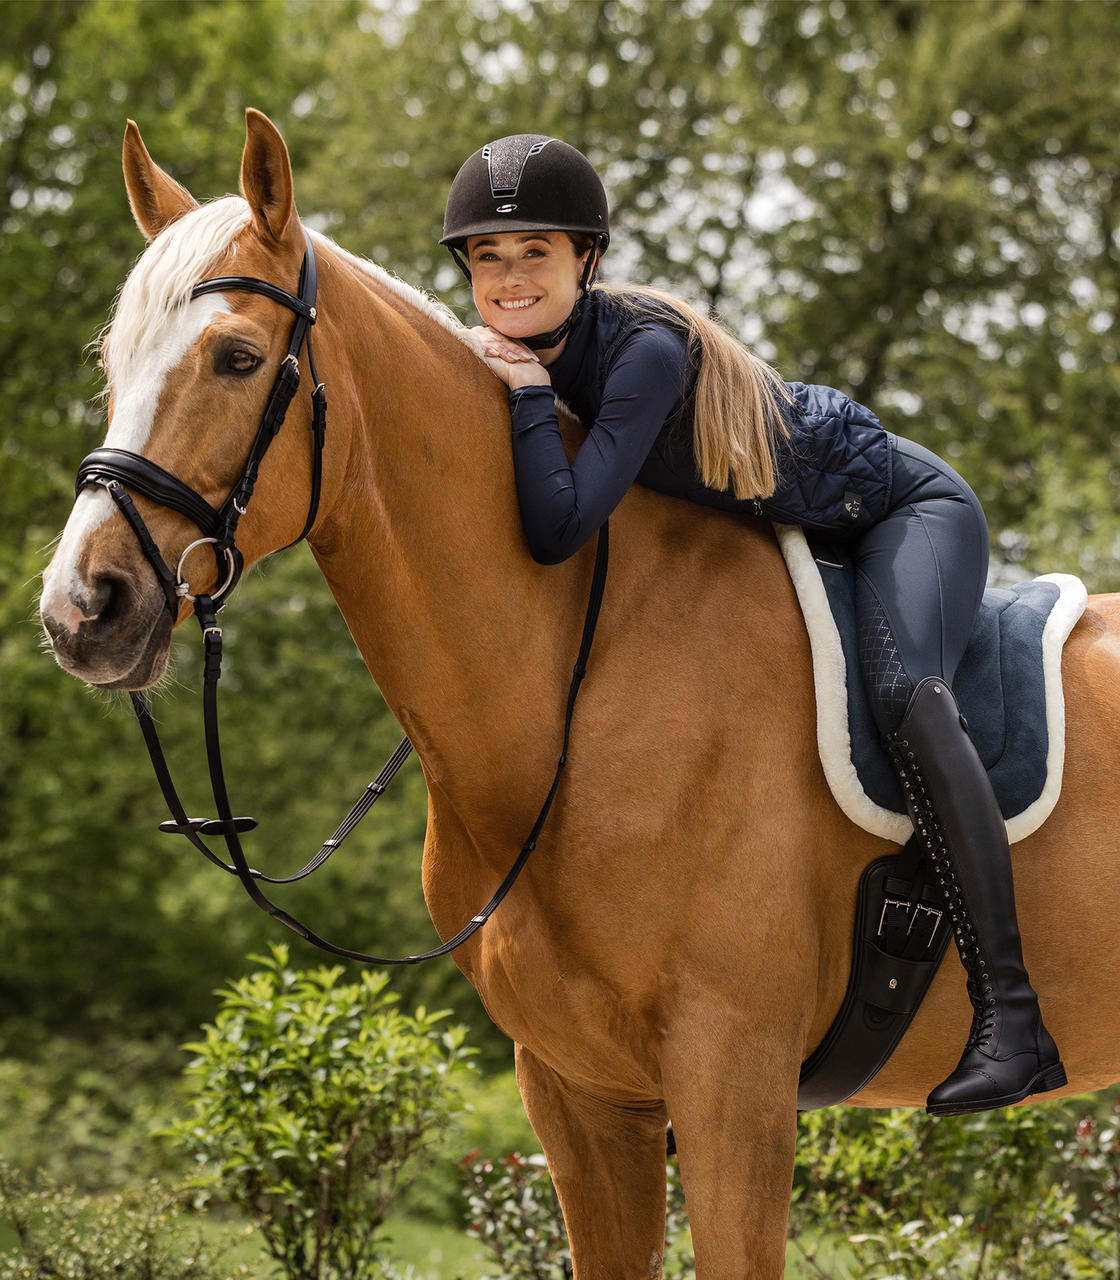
x: 497, y: 346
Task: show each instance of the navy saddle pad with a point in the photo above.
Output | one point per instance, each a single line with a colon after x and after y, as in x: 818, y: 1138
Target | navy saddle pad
x: 1008, y: 686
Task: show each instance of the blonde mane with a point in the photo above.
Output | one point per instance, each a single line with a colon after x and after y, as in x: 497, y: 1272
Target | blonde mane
x: 417, y: 298
x: 159, y: 285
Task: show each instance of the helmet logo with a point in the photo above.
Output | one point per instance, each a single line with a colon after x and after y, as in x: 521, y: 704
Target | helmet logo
x: 505, y: 208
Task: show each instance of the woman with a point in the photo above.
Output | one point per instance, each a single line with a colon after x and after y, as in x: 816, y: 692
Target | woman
x: 670, y: 399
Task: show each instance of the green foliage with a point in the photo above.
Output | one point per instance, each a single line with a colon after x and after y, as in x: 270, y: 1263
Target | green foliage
x: 1020, y: 1194
x: 316, y: 1103
x: 1093, y: 1159
x: 492, y: 1117
x: 1008, y: 1195
x: 512, y: 1208
x: 142, y: 1235
x: 84, y: 1114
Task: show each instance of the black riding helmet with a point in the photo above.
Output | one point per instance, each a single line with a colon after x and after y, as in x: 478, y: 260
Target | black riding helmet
x: 527, y: 182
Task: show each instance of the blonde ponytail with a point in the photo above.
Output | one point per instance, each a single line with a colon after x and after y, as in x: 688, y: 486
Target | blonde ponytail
x: 738, y: 423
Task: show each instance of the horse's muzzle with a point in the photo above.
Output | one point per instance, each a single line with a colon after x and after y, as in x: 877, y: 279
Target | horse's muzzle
x: 109, y: 631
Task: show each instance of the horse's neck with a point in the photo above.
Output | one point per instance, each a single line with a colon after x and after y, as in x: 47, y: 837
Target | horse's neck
x: 423, y: 550
x: 472, y: 644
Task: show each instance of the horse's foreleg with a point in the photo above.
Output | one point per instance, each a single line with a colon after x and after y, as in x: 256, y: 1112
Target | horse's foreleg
x: 608, y: 1165
x: 734, y: 1116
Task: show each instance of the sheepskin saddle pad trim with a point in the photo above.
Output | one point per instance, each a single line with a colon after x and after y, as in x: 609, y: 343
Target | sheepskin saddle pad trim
x: 1009, y: 687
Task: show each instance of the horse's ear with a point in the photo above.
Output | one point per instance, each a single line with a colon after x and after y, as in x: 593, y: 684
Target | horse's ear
x: 266, y: 178
x: 156, y: 198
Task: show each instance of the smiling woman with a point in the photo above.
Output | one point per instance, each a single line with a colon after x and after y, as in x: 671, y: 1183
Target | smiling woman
x: 526, y: 284
x: 519, y: 191
x: 672, y: 401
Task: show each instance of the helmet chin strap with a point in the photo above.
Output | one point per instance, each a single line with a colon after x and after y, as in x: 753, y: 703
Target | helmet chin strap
x: 543, y: 341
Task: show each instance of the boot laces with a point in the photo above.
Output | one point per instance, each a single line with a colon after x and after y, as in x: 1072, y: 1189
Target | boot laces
x: 981, y: 993
x: 984, y: 1004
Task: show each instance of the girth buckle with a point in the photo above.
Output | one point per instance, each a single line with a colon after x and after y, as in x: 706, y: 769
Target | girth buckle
x: 890, y: 926
x: 888, y: 903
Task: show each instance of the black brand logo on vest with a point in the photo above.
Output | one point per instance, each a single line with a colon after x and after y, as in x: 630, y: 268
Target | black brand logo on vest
x: 505, y: 208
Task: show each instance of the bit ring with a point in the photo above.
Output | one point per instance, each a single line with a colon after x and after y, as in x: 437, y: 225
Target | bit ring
x: 184, y: 590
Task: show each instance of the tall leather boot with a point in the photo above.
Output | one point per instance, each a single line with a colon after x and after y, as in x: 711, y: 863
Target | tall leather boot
x: 1009, y: 1053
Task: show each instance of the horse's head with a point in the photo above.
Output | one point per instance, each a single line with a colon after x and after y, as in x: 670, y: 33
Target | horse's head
x: 188, y: 380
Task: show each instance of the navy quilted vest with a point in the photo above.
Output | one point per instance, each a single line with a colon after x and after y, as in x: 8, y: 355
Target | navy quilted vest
x: 834, y: 471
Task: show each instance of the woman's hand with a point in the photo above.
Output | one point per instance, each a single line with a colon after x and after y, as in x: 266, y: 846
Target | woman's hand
x: 511, y: 360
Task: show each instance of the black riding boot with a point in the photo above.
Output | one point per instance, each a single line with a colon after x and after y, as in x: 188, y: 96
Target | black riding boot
x: 1009, y: 1053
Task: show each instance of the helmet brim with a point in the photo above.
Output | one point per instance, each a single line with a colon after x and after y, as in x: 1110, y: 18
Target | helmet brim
x: 489, y: 227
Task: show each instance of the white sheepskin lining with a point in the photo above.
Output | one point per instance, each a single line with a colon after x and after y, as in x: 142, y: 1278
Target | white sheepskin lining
x: 830, y: 679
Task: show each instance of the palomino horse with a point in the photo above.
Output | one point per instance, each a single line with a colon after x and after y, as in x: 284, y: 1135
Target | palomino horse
x: 680, y: 940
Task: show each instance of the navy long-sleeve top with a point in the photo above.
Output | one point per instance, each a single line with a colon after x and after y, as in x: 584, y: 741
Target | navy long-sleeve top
x: 627, y: 374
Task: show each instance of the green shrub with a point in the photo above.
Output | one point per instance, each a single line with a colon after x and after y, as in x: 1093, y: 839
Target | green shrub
x: 1018, y: 1194
x: 315, y: 1104
x: 513, y: 1210
x: 1093, y: 1162
x: 1022, y: 1194
x: 141, y: 1235
x: 83, y: 1111
x: 494, y: 1119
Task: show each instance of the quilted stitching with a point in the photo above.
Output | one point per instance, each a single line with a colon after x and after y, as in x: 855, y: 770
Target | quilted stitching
x: 835, y: 445
x: 887, y: 682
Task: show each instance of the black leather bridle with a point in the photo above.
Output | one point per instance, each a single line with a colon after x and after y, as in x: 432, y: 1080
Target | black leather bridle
x: 111, y: 468
x: 114, y: 469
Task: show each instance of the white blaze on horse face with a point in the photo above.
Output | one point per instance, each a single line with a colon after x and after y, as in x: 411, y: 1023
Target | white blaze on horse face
x: 138, y: 385
x: 137, y: 388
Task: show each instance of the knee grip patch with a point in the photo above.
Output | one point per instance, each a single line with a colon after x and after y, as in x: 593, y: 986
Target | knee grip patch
x: 888, y: 685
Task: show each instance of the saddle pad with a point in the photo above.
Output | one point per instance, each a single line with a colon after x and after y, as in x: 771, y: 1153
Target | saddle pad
x: 1009, y: 687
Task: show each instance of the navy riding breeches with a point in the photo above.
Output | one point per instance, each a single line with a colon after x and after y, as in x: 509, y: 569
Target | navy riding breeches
x: 920, y: 577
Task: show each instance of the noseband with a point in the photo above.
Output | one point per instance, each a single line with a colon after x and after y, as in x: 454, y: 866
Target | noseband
x: 115, y: 469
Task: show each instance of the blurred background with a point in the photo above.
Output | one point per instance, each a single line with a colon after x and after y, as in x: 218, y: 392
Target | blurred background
x: 917, y: 202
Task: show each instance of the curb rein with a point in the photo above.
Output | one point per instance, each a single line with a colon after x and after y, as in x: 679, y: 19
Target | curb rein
x: 113, y: 469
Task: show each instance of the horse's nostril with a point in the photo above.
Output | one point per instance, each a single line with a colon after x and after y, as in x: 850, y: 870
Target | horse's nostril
x: 99, y: 603
x: 92, y: 600
x: 108, y: 600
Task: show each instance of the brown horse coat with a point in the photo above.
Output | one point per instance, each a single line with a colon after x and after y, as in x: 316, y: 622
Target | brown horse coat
x: 680, y: 939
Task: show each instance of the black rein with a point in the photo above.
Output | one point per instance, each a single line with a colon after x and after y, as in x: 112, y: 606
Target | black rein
x: 113, y: 469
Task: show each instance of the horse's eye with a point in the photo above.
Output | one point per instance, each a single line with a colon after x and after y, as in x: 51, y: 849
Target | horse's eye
x: 241, y: 361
